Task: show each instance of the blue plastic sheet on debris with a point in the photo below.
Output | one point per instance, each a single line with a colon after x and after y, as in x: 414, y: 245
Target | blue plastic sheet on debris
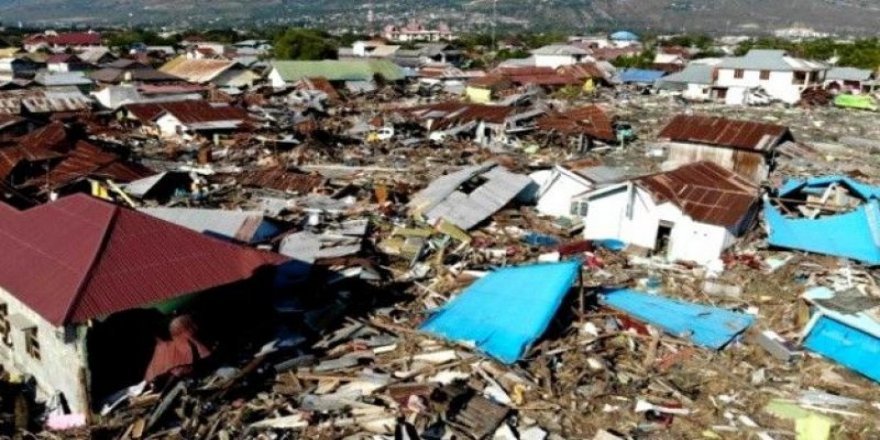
x: 640, y: 76
x: 535, y: 239
x: 851, y: 339
x: 854, y: 235
x: 611, y: 244
x: 506, y: 311
x: 707, y: 326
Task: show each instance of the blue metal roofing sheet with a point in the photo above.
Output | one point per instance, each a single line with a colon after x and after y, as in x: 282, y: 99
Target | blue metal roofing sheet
x: 706, y: 326
x: 504, y: 312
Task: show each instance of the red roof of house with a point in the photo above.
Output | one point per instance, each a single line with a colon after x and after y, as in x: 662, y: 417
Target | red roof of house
x: 722, y: 132
x: 80, y: 258
x: 590, y: 120
x: 705, y: 191
x: 188, y: 111
x: 67, y: 39
x: 87, y: 160
x: 582, y: 71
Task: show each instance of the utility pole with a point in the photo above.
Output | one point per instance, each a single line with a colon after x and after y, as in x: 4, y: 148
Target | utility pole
x: 494, y: 21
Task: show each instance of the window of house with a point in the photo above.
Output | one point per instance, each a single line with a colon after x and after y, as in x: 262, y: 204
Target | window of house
x: 31, y: 343
x: 5, y: 326
x: 739, y: 73
x: 584, y: 208
x: 573, y: 209
x: 799, y: 78
x: 765, y: 75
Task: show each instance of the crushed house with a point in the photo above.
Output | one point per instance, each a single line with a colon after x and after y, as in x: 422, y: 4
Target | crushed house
x: 172, y: 119
x: 469, y: 196
x: 744, y: 147
x: 830, y: 215
x: 693, y: 213
x: 579, y: 127
x: 76, y: 275
x: 487, y: 124
x: 559, y: 185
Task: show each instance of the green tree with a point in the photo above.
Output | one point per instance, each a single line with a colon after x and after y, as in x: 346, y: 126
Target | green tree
x: 304, y: 44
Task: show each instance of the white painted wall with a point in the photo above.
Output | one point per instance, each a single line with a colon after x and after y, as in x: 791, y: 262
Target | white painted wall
x: 62, y: 364
x: 555, y: 195
x: 168, y: 125
x: 276, y: 80
x: 698, y: 92
x: 555, y: 61
x: 608, y: 217
x: 779, y: 85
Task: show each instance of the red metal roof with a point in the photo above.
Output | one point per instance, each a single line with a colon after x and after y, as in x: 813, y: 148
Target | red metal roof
x: 582, y: 71
x: 188, y: 111
x: 590, y: 120
x: 67, y: 39
x: 706, y: 192
x: 87, y: 160
x: 722, y: 132
x: 80, y: 258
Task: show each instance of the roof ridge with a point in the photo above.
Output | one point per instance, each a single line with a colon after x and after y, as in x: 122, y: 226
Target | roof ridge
x: 87, y: 276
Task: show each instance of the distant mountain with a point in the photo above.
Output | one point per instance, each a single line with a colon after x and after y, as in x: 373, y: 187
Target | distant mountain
x: 844, y: 16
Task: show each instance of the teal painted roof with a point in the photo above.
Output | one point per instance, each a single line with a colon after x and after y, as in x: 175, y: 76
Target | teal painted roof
x: 338, y: 70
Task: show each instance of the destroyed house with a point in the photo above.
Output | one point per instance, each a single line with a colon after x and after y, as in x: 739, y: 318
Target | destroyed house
x: 581, y: 126
x: 744, y: 147
x: 71, y: 268
x: 692, y: 213
x: 247, y: 227
x: 831, y: 215
x: 469, y: 196
x: 176, y: 118
x: 486, y: 123
x: 44, y: 103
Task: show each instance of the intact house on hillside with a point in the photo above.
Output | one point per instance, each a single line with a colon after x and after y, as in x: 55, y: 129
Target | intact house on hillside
x: 184, y: 118
x: 86, y: 287
x: 776, y: 73
x: 693, y: 213
x: 744, y: 147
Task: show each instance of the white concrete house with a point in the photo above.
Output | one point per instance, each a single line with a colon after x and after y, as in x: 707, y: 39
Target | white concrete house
x: 693, y: 213
x: 557, y: 186
x: 781, y: 76
x: 556, y: 55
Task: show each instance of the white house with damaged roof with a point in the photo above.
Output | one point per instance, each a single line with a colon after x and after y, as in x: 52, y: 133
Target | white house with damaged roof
x: 694, y: 83
x: 555, y: 55
x: 558, y: 185
x: 692, y: 213
x: 778, y: 74
x: 851, y: 80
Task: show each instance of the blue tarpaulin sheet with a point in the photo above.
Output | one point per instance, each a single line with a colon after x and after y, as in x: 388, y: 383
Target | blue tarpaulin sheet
x: 852, y: 339
x: 640, y: 76
x: 706, y: 326
x: 854, y: 235
x: 506, y: 311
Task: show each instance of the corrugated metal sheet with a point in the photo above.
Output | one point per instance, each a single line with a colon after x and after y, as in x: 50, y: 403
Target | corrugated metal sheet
x: 707, y: 326
x: 590, y: 120
x: 444, y: 198
x: 704, y: 191
x: 722, y: 132
x: 44, y: 101
x: 191, y: 111
x: 87, y: 160
x: 281, y: 180
x: 339, y: 70
x: 197, y: 71
x: 80, y: 258
x: 243, y: 226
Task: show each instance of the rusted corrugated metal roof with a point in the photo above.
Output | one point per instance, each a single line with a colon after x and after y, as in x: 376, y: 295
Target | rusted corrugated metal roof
x: 590, y: 120
x: 706, y: 192
x: 281, y: 180
x: 450, y: 114
x: 43, y: 101
x: 188, y: 111
x: 87, y: 160
x: 80, y: 258
x: 197, y: 71
x: 722, y: 132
